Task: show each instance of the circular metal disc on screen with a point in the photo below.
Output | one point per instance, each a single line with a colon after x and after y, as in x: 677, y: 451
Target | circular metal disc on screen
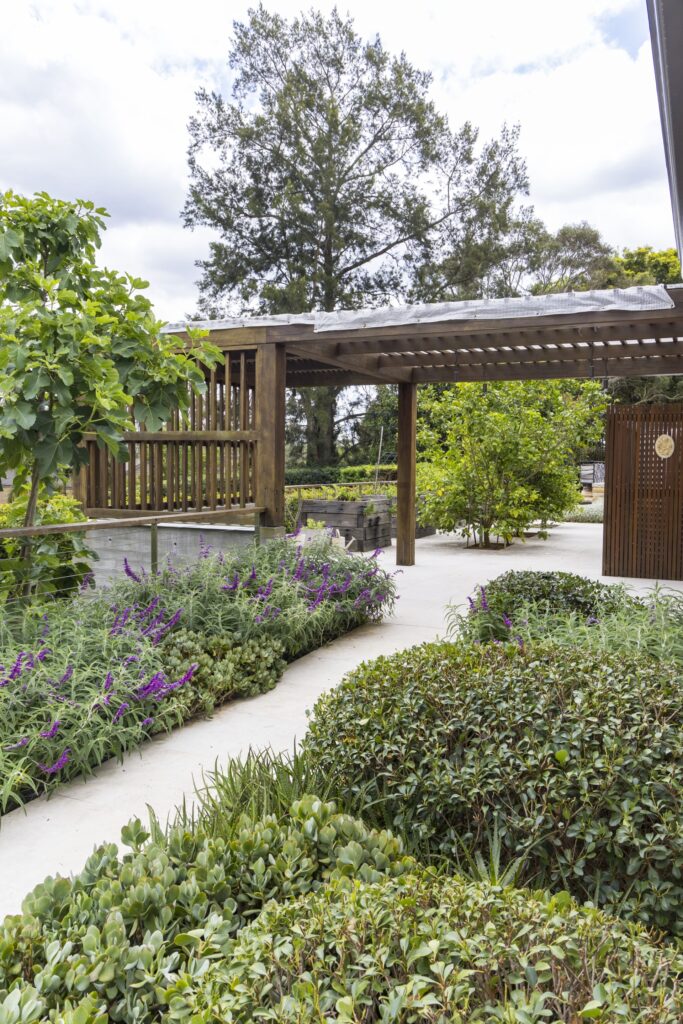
x: 664, y: 446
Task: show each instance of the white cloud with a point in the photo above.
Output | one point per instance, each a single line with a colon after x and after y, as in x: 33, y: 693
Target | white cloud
x: 96, y: 94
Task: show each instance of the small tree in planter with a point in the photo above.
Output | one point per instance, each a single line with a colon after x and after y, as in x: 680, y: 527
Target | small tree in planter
x: 497, y: 457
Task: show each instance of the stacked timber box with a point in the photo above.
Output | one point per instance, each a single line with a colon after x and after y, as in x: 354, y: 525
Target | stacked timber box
x: 366, y: 521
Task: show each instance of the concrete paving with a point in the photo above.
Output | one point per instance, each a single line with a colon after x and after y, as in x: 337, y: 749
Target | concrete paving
x: 55, y: 835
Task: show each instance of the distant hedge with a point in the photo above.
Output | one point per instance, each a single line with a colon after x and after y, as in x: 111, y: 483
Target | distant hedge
x: 575, y: 762
x: 296, y: 475
x: 356, y: 474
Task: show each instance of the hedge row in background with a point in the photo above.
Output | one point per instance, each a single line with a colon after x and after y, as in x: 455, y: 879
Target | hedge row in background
x: 92, y: 678
x: 575, y: 764
x: 314, y: 917
x: 301, y: 475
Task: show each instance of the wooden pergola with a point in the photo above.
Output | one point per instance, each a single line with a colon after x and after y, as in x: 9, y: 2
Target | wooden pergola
x: 230, y: 457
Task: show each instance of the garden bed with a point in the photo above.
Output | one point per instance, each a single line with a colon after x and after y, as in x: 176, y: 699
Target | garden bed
x: 86, y: 680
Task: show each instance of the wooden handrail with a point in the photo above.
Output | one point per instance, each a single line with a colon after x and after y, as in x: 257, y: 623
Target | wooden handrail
x: 184, y: 435
x: 113, y: 524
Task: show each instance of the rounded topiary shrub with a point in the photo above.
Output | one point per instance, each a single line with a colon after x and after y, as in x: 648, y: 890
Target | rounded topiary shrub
x: 496, y: 608
x: 427, y: 949
x: 573, y: 763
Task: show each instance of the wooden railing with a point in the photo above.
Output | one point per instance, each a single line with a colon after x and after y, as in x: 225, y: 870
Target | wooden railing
x: 173, y: 471
x: 205, y: 459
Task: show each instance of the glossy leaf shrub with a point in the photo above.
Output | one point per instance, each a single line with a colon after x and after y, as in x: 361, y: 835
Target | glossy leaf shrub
x: 499, y: 609
x: 436, y: 950
x: 573, y: 762
x: 130, y: 935
x: 55, y: 565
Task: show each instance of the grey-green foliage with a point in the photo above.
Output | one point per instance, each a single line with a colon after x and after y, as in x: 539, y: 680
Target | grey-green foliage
x: 122, y: 931
x: 420, y: 948
x: 574, y: 760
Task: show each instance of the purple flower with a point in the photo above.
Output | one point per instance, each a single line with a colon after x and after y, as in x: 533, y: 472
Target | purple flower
x: 520, y: 642
x: 120, y: 711
x: 58, y: 765
x: 376, y: 553
x: 20, y: 743
x: 147, y: 721
x: 108, y: 682
x: 149, y: 609
x: 67, y: 675
x: 152, y: 688
x: 483, y: 601
x: 507, y: 621
x: 49, y: 734
x: 233, y: 584
x: 472, y: 605
x: 86, y: 582
x: 46, y: 626
x: 43, y: 653
x: 129, y: 572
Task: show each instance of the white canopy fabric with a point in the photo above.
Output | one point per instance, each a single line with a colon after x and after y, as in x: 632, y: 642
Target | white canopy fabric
x: 639, y: 299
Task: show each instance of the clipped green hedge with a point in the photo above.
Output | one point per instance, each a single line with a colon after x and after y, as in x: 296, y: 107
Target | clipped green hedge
x: 428, y: 949
x: 129, y: 937
x: 576, y: 763
x: 356, y: 474
x: 496, y: 608
x: 295, y: 475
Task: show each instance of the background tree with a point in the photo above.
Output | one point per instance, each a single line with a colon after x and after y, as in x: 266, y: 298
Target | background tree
x: 79, y: 346
x: 497, y: 457
x: 327, y: 174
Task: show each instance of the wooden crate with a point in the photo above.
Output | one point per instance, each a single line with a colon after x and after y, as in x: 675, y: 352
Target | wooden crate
x: 370, y: 529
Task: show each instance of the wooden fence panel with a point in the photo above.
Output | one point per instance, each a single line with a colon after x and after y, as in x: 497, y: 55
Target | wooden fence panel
x: 643, y: 528
x: 206, y: 462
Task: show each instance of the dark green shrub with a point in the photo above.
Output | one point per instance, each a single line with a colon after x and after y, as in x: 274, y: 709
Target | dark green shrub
x: 296, y: 475
x: 426, y: 949
x: 227, y: 667
x: 122, y: 932
x: 497, y: 609
x: 575, y: 762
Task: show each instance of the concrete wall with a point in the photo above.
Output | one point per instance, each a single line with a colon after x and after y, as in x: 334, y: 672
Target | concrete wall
x: 181, y: 543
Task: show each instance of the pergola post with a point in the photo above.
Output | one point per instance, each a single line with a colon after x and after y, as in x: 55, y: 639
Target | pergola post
x: 405, y: 501
x: 270, y: 425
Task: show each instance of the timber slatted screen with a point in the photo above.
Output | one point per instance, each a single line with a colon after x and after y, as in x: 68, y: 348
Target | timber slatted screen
x: 643, y: 534
x: 206, y: 462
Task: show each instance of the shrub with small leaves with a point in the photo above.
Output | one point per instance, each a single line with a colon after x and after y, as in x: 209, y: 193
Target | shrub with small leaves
x: 576, y: 764
x: 122, y: 932
x: 420, y: 948
x: 499, y: 608
x: 227, y: 667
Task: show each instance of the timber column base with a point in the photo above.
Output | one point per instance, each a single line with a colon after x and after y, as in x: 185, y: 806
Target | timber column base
x: 405, y: 489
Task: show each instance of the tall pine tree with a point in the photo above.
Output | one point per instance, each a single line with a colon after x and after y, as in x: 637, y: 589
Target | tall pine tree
x: 328, y: 175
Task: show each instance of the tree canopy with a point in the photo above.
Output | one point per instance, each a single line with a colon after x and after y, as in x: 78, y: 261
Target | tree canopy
x: 329, y: 174
x: 497, y: 457
x: 81, y: 351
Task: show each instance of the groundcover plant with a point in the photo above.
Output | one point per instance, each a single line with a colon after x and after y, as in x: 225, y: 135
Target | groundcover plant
x: 89, y: 679
x: 310, y: 915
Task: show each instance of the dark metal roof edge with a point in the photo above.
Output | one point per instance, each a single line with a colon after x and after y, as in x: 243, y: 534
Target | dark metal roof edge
x: 666, y: 35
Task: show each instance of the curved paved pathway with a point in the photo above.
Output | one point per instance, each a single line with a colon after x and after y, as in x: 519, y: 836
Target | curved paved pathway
x: 54, y: 836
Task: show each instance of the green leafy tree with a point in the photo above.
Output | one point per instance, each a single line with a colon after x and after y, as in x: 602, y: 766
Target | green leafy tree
x: 327, y: 174
x: 514, y: 254
x: 645, y: 265
x: 502, y: 455
x: 80, y: 349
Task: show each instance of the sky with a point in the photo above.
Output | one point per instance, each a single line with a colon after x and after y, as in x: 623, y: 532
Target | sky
x: 95, y: 97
